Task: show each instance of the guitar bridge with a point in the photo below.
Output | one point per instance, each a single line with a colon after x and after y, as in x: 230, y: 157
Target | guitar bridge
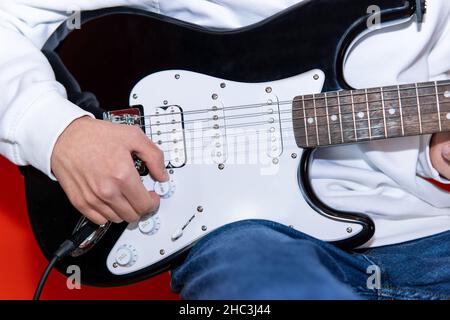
x: 131, y: 117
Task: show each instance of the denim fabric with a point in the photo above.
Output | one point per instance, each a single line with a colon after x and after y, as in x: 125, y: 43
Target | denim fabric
x: 257, y: 259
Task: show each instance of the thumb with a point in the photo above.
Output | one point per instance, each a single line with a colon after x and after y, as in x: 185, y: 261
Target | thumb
x: 153, y: 158
x: 446, y: 152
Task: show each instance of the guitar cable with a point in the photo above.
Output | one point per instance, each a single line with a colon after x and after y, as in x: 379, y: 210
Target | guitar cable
x: 66, y: 248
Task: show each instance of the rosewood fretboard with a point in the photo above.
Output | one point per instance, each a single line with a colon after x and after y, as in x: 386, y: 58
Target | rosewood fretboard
x: 371, y: 114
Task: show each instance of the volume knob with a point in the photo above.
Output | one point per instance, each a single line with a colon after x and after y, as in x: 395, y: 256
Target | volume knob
x: 164, y: 189
x: 126, y: 256
x: 149, y: 225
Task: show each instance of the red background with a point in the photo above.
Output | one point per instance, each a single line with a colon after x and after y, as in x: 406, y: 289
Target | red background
x: 22, y: 263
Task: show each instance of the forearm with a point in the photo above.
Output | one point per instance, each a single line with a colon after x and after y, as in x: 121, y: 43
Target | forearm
x: 33, y: 105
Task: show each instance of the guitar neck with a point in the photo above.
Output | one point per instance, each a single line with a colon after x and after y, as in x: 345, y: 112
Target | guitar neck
x: 352, y: 116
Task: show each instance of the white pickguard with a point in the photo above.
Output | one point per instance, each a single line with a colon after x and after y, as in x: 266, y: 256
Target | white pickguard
x: 262, y: 189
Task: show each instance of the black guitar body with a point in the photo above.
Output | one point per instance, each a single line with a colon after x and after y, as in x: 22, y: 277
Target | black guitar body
x: 115, y: 48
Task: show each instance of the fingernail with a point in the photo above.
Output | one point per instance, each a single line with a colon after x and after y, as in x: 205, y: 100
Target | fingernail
x: 446, y: 152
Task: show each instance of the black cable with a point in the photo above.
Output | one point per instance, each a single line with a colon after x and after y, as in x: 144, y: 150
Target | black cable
x: 44, y: 277
x: 66, y: 248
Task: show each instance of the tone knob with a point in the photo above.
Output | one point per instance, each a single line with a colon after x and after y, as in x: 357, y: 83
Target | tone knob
x: 149, y: 225
x: 126, y: 256
x: 164, y: 189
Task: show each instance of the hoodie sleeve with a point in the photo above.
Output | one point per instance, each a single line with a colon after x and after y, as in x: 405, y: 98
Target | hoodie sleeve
x: 34, y: 109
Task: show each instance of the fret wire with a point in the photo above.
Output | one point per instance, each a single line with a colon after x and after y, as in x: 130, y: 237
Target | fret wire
x: 438, y: 105
x: 353, y: 110
x: 340, y: 116
x: 418, y: 109
x: 315, y: 117
x: 304, y: 119
x: 401, y: 109
x: 384, y: 112
x: 328, y: 118
x: 368, y: 114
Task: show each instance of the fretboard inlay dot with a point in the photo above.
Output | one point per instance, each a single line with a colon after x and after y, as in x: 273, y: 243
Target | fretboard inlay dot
x: 360, y: 115
x: 391, y: 111
x: 333, y: 117
x: 448, y: 116
x: 447, y: 94
x: 310, y: 120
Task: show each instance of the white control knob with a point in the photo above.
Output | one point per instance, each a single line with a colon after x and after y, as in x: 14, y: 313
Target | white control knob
x: 164, y: 189
x: 126, y: 256
x: 149, y: 224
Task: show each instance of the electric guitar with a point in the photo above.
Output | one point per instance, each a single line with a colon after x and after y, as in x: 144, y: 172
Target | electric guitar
x: 238, y: 115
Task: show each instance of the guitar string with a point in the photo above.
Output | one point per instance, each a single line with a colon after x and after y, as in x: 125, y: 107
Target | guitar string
x: 290, y: 140
x: 286, y: 137
x: 282, y: 112
x: 314, y: 97
x: 300, y: 109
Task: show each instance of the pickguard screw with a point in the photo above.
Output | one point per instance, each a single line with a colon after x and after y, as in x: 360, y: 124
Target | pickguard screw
x: 162, y: 252
x: 316, y: 77
x: 268, y: 89
x: 115, y: 265
x: 291, y: 226
x: 223, y: 85
x: 349, y: 230
x: 135, y: 96
x: 199, y: 209
x: 177, y: 76
x: 171, y: 171
x: 204, y: 228
x: 221, y: 166
x: 215, y: 96
x: 275, y: 160
x: 165, y: 102
x: 294, y: 156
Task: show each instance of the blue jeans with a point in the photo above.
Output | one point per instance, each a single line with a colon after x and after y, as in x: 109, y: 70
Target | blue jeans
x: 257, y: 259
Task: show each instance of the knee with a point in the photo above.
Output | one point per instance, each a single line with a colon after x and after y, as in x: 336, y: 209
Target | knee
x: 245, y: 260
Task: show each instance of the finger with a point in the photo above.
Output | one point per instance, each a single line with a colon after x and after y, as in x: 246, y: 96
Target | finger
x: 95, y: 217
x: 103, y: 209
x: 123, y: 209
x: 153, y: 157
x: 139, y: 198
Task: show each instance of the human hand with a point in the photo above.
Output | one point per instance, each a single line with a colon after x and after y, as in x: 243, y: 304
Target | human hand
x: 92, y: 160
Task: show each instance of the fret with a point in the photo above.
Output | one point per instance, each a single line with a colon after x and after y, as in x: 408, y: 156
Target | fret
x: 438, y: 106
x: 361, y: 114
x: 311, y: 123
x: 315, y: 117
x: 347, y: 116
x: 304, y: 119
x: 401, y: 110
x: 368, y: 113
x: 384, y: 112
x: 408, y: 99
x: 322, y: 120
x: 334, y: 118
x: 418, y: 109
x: 328, y: 119
x: 353, y: 113
x: 429, y: 115
x: 393, y: 117
x: 376, y: 114
x: 443, y: 89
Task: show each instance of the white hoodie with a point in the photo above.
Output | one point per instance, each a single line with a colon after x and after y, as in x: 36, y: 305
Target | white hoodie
x: 382, y: 179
